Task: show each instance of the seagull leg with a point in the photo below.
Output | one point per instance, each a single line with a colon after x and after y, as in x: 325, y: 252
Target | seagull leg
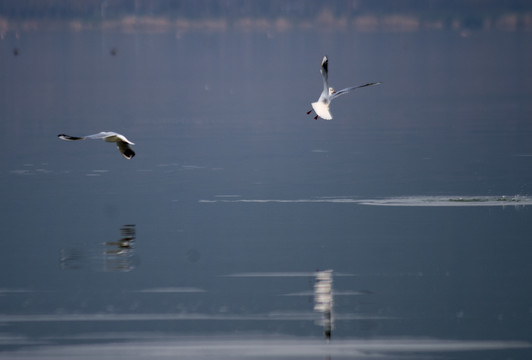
x: 308, y: 112
x: 316, y: 117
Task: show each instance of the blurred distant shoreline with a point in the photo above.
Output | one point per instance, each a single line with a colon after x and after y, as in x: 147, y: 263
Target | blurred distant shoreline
x: 265, y: 15
x: 324, y: 22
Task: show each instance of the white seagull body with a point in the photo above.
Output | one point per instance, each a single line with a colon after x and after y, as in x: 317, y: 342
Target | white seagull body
x: 321, y: 107
x: 121, y: 141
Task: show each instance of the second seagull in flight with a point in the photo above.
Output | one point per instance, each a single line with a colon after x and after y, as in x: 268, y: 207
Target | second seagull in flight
x: 121, y: 141
x: 321, y: 107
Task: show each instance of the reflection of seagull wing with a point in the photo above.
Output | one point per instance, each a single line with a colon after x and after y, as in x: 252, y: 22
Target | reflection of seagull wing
x: 121, y: 141
x: 349, y: 89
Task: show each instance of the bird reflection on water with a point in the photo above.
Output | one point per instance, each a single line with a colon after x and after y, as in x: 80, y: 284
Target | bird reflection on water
x: 322, y: 294
x: 323, y: 301
x: 71, y: 259
x: 117, y: 256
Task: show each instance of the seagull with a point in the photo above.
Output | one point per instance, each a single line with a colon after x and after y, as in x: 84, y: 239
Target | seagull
x: 321, y: 107
x: 121, y: 142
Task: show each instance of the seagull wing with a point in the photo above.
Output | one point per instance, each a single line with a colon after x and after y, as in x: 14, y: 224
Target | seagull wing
x: 321, y: 107
x: 120, y: 137
x: 349, y: 89
x: 125, y: 149
x: 110, y: 136
x: 102, y: 135
x: 69, y: 138
x: 324, y: 70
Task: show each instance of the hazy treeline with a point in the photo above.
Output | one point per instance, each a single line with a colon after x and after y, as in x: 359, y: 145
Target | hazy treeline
x: 511, y: 14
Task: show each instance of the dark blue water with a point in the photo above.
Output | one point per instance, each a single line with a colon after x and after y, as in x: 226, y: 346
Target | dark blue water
x: 236, y: 197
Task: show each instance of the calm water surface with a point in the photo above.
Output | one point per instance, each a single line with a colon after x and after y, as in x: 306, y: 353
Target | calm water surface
x: 205, y: 245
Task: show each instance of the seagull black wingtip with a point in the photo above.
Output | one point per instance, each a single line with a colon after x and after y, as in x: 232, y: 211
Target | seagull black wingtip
x: 128, y: 154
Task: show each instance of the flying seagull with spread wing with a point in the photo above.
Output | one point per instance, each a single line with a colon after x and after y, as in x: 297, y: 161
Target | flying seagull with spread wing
x: 121, y: 141
x: 321, y: 107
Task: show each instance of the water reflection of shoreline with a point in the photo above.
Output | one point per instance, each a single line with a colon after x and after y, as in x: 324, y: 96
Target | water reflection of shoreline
x: 117, y: 255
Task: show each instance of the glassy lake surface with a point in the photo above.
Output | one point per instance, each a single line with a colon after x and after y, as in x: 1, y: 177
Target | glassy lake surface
x: 205, y: 245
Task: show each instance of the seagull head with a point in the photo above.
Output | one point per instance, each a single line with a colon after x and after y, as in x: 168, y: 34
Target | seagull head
x: 331, y: 91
